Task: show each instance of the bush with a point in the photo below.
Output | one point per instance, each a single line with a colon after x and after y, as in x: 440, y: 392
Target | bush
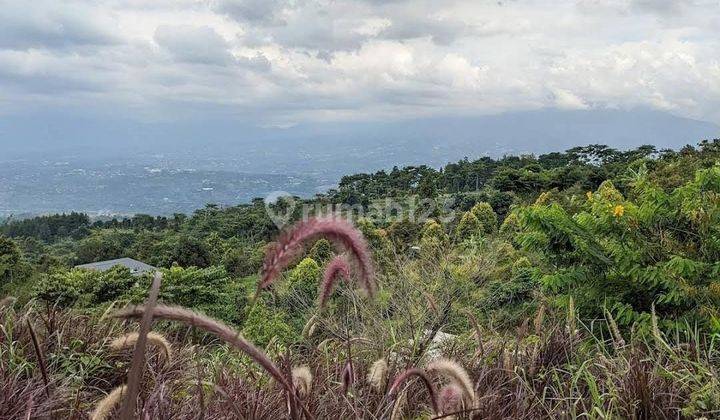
x: 468, y: 227
x: 486, y: 216
x: 321, y: 251
x: 64, y: 289
x: 303, y: 282
x: 263, y: 324
x: 657, y: 248
x: 207, y: 289
x: 243, y: 261
x: 187, y: 251
x: 403, y: 233
x: 10, y: 258
x: 433, y: 229
x: 111, y: 284
x: 104, y: 244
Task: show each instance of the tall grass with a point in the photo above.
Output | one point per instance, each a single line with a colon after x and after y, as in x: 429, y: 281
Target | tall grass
x: 363, y: 360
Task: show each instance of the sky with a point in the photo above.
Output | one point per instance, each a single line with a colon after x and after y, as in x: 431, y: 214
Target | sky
x: 278, y: 63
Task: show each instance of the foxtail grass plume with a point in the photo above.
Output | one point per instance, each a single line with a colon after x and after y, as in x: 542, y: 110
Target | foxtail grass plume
x: 451, y: 399
x: 215, y: 327
x: 309, y: 327
x: 158, y: 340
x: 571, y: 322
x: 7, y: 301
x: 399, y: 407
x: 137, y: 364
x: 508, y: 364
x: 336, y: 269
x: 106, y: 406
x: 476, y: 328
x: 348, y: 376
x: 456, y: 374
x: 302, y: 381
x: 618, y: 339
x: 431, y: 302
x: 377, y: 376
x: 657, y: 334
x: 422, y: 375
x: 532, y: 370
x: 539, y: 318
x: 339, y: 231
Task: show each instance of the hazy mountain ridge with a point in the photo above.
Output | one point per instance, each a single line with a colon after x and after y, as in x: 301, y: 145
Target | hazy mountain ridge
x: 302, y: 159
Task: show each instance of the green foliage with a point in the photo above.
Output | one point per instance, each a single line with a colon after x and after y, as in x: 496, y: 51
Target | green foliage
x: 210, y: 290
x: 216, y: 247
x: 658, y: 247
x: 511, y: 225
x: 486, y: 216
x: 111, y: 285
x: 433, y: 229
x: 84, y: 287
x: 434, y: 240
x: 303, y: 282
x: 65, y: 288
x: 263, y: 324
x: 404, y: 233
x: 646, y: 233
x: 321, y: 251
x: 187, y: 251
x: 10, y: 259
x: 104, y: 244
x: 427, y: 187
x: 243, y: 261
x: 468, y: 227
x: 48, y: 228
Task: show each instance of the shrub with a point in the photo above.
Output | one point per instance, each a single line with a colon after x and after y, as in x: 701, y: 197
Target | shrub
x: 468, y: 227
x: 210, y: 290
x: 303, y: 281
x: 486, y: 216
x: 112, y: 284
x: 321, y: 251
x: 511, y: 225
x: 104, y: 244
x: 10, y: 258
x: 433, y: 229
x: 403, y: 233
x: 64, y: 289
x: 263, y: 324
x: 656, y: 248
x: 243, y: 261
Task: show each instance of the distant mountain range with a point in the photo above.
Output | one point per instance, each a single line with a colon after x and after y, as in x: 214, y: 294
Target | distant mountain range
x: 306, y: 157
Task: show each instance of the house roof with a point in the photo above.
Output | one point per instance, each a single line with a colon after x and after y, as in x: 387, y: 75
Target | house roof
x: 135, y: 266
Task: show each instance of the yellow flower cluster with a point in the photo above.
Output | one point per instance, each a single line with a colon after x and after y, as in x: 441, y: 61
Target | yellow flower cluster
x: 589, y: 195
x: 619, y: 210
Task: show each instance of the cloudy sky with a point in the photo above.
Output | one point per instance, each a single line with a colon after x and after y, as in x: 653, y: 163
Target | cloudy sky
x: 277, y: 63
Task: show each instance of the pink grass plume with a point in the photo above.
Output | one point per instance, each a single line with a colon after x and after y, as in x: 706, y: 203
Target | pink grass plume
x: 340, y: 232
x: 336, y: 269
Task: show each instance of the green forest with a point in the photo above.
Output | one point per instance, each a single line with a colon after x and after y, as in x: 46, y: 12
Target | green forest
x: 583, y: 283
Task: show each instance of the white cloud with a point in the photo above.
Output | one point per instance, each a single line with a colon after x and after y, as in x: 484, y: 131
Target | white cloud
x: 200, y: 45
x: 287, y: 61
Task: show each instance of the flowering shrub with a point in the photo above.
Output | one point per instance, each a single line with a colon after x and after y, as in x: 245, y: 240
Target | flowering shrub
x: 657, y: 246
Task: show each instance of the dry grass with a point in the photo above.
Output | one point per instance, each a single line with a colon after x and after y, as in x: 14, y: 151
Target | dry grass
x: 60, y: 363
x: 639, y: 380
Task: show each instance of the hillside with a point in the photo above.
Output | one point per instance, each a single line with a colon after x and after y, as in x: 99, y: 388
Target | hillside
x: 575, y: 283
